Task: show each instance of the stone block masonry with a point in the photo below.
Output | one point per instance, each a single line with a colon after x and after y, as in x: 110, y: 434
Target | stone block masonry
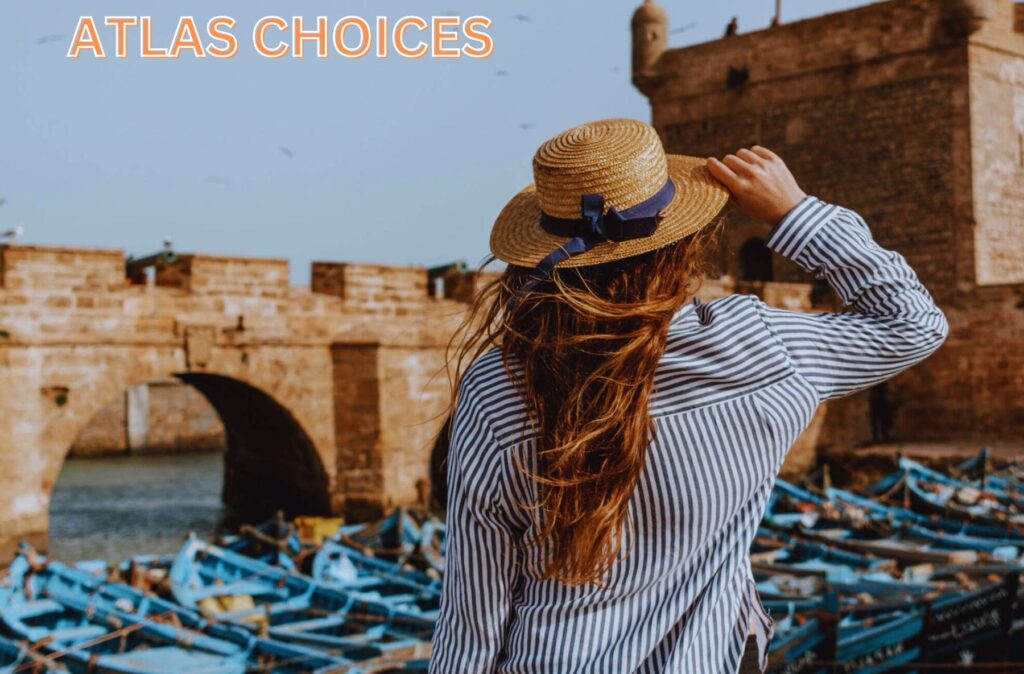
x: 155, y: 417
x: 269, y: 359
x: 912, y: 113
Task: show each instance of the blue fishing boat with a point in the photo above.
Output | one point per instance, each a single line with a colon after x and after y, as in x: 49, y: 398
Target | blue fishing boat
x: 879, y: 643
x: 89, y: 636
x: 412, y: 539
x: 945, y: 525
x: 291, y: 607
x: 947, y: 501
x: 829, y: 638
x: 20, y: 657
x: 75, y: 605
x: 867, y: 526
x: 337, y: 565
x: 993, y: 488
x: 275, y: 541
x: 794, y: 648
x: 1009, y: 477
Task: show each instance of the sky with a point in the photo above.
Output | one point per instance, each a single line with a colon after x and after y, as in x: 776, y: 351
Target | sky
x: 392, y: 161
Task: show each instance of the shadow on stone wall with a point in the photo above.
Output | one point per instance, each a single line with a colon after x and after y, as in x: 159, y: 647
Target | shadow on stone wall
x: 270, y: 463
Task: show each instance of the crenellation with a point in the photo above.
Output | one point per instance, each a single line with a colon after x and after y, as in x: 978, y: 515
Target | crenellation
x: 60, y: 267
x: 379, y: 288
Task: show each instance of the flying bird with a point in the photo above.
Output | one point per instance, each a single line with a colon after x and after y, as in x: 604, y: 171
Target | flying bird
x: 731, y: 29
x: 218, y: 180
x: 682, y: 29
x: 286, y: 151
x: 523, y: 18
x: 45, y: 39
x: 12, y: 234
x: 616, y: 69
x: 526, y: 126
x: 2, y: 201
x: 502, y: 73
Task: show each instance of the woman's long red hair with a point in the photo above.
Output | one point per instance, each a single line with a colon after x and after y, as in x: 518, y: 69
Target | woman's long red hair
x: 582, y: 349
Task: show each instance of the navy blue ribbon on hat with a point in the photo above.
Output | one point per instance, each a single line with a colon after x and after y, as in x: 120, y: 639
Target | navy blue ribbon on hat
x: 595, y: 227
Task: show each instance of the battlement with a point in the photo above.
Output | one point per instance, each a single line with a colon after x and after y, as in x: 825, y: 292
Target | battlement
x: 60, y: 267
x: 372, y: 286
x: 215, y: 274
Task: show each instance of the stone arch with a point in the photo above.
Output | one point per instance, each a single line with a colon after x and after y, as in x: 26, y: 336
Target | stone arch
x: 290, y: 466
x: 755, y: 260
x: 271, y: 462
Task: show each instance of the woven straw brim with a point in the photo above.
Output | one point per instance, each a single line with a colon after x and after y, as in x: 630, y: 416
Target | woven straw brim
x: 518, y: 239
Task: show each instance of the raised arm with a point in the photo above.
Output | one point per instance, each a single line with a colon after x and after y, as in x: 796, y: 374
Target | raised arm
x: 894, y: 323
x: 482, y: 557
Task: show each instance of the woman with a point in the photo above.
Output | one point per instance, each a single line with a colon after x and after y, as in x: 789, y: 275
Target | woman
x: 614, y: 445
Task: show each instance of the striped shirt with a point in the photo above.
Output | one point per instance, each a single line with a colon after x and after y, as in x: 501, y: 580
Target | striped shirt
x: 738, y: 382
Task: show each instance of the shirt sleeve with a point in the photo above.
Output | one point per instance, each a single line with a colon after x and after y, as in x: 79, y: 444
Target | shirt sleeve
x: 894, y: 323
x: 481, y: 551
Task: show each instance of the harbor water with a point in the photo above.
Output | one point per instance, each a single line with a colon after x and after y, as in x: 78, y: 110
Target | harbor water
x: 112, y: 508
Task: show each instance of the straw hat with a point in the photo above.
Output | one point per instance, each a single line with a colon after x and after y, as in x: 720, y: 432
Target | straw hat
x: 623, y: 161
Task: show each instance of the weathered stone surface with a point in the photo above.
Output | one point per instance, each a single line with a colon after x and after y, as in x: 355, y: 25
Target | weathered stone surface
x: 912, y: 113
x: 75, y: 335
x: 161, y: 416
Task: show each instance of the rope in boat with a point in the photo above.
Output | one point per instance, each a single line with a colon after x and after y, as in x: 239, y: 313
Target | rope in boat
x: 172, y: 618
x: 116, y: 634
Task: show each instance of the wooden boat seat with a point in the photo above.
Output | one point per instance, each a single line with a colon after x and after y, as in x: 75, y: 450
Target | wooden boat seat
x: 80, y: 633
x: 395, y: 598
x: 38, y: 607
x: 244, y: 587
x: 313, y: 624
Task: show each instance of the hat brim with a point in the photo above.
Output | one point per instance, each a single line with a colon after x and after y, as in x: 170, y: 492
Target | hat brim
x: 517, y: 237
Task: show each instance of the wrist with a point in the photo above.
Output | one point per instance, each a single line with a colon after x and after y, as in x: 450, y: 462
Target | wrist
x: 793, y: 200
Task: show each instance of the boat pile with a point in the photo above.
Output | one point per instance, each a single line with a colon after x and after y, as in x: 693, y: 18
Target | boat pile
x: 362, y: 602
x: 922, y: 567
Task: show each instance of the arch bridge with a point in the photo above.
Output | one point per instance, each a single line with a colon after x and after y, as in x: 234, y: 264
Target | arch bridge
x: 330, y: 396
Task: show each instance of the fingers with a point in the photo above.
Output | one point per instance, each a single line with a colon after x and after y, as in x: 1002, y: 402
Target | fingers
x: 723, y: 173
x: 750, y: 157
x: 765, y: 153
x: 739, y: 167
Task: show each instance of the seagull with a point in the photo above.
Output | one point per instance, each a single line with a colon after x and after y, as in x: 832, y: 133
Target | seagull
x: 682, y: 29
x: 502, y: 73
x: 48, y: 38
x: 730, y: 30
x: 12, y: 234
x: 523, y: 18
x: 287, y: 152
x: 526, y: 126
